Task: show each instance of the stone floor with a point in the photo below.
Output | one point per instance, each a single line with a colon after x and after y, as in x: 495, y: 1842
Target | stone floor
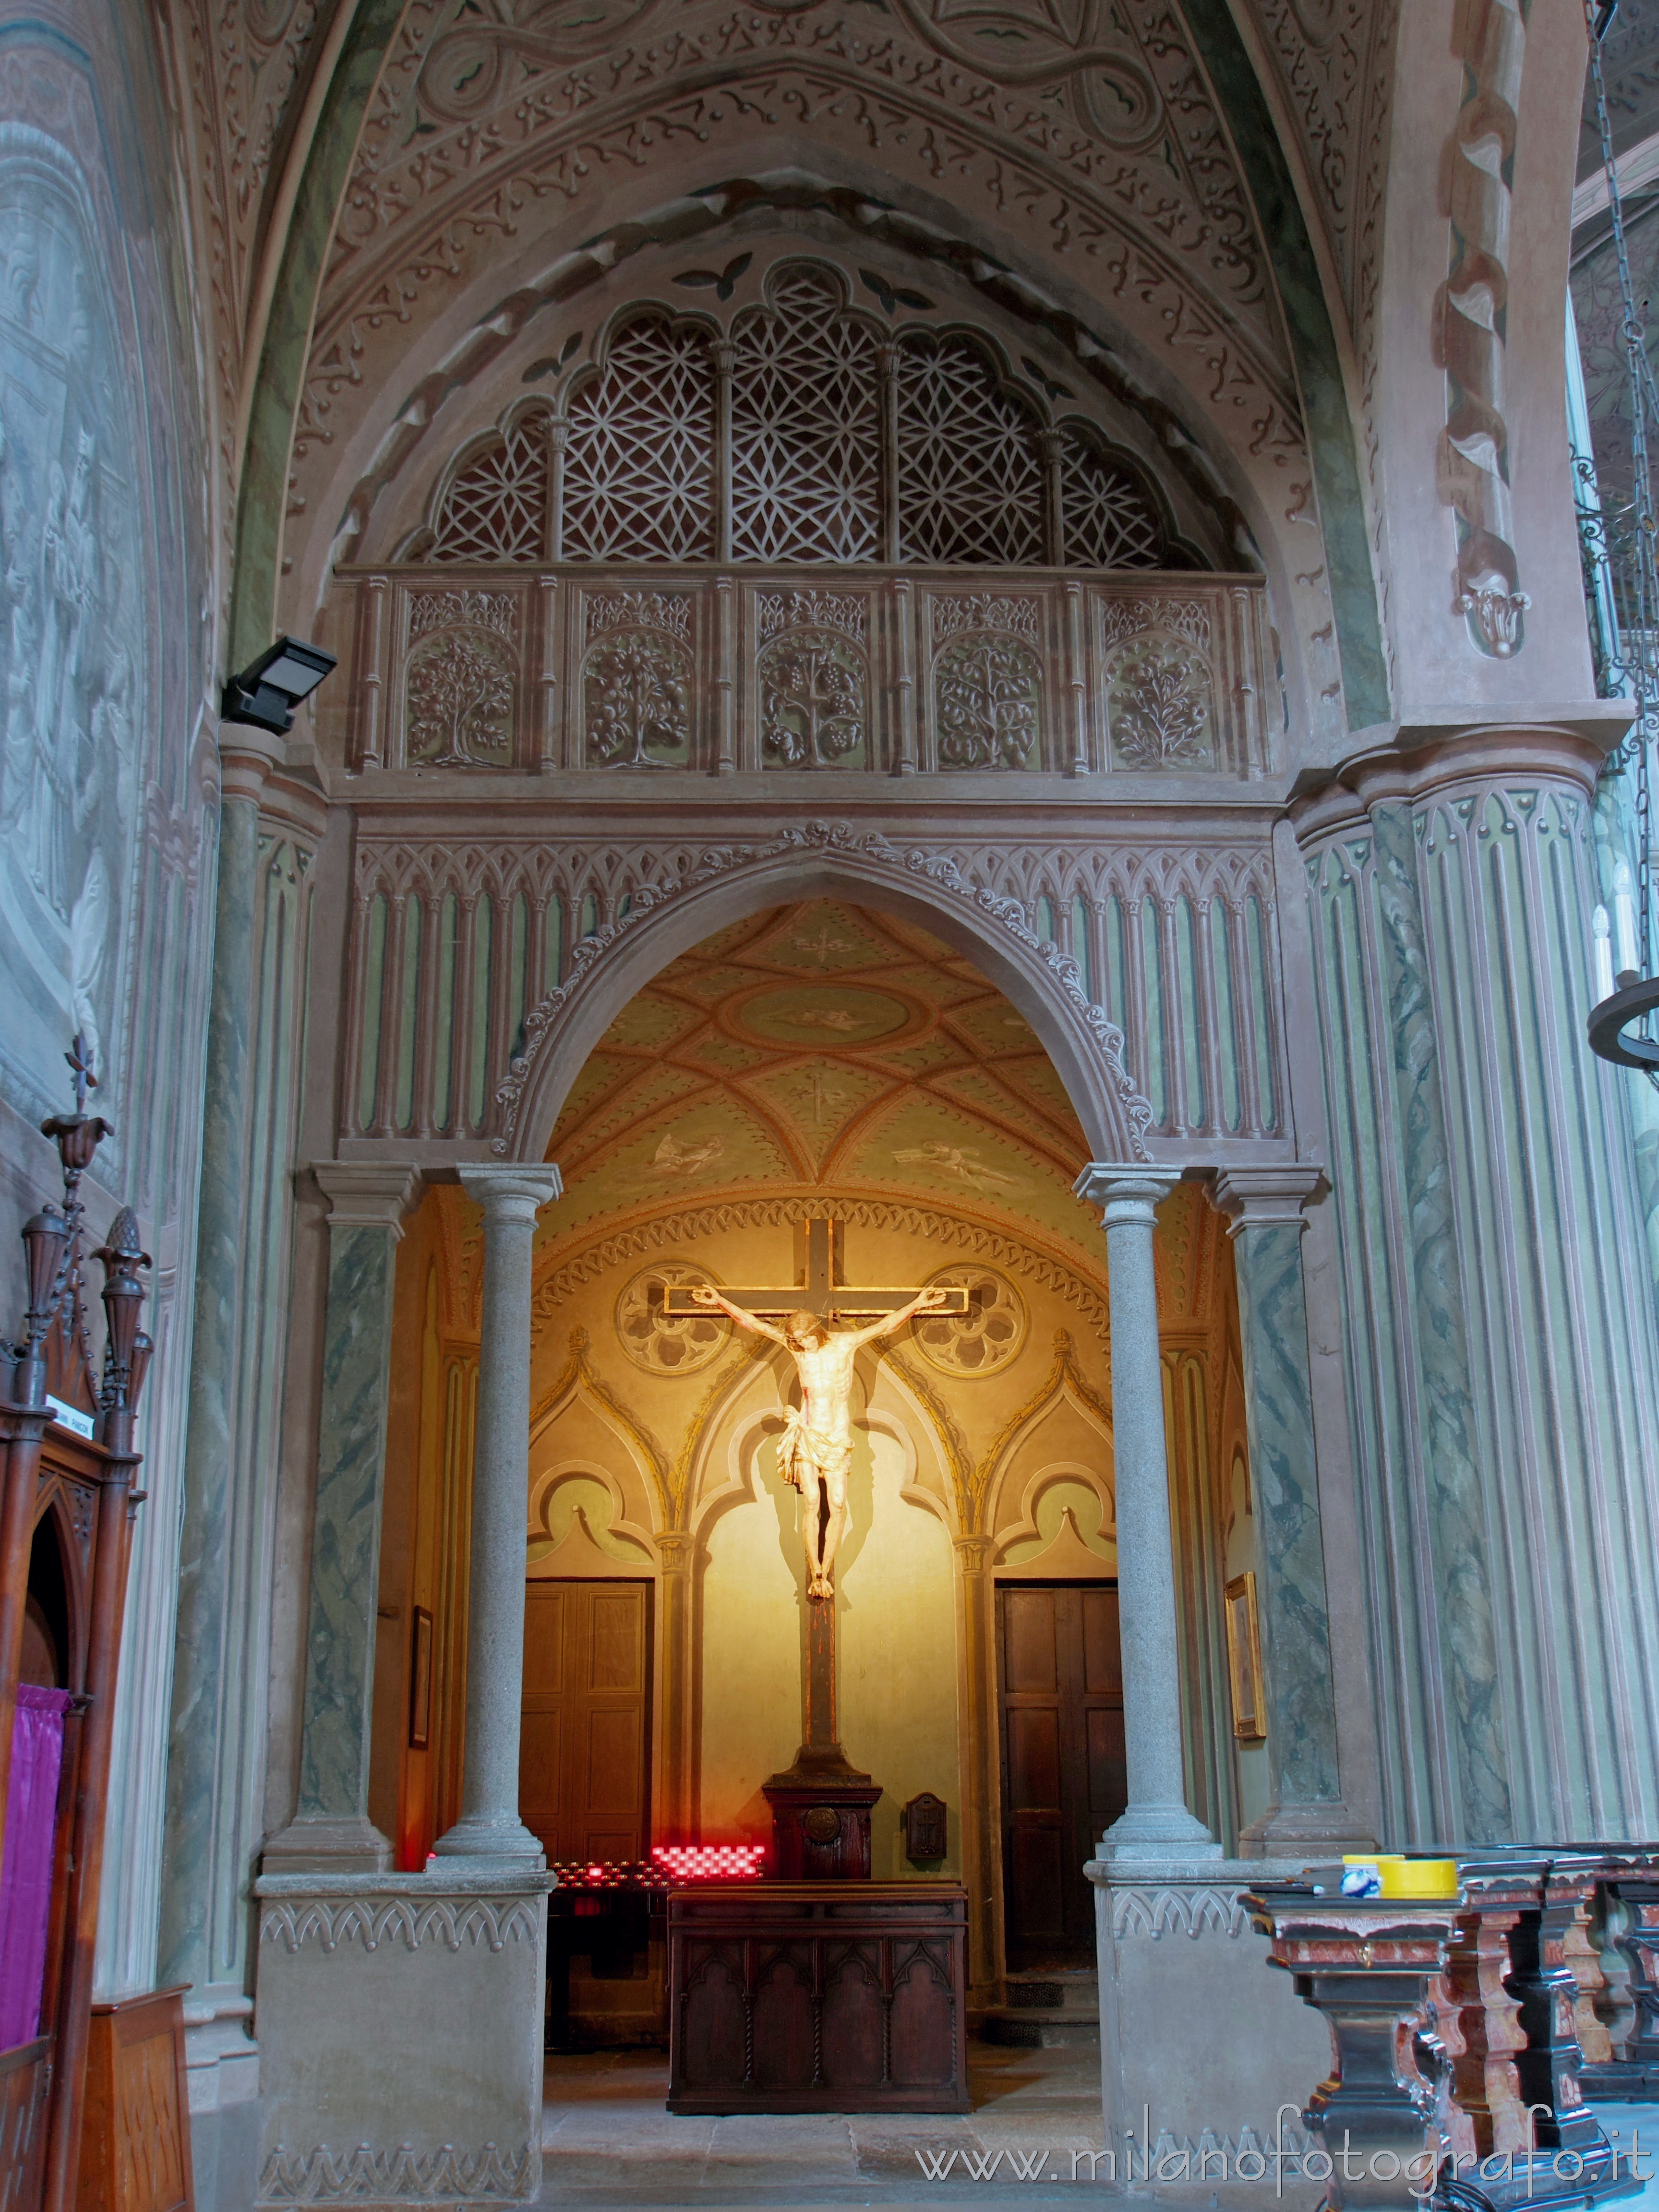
x: 606, y: 2140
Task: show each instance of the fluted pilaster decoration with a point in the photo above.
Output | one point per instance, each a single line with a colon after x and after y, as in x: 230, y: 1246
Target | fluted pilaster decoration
x: 1503, y: 1371
x: 1156, y: 1824
x: 220, y: 1645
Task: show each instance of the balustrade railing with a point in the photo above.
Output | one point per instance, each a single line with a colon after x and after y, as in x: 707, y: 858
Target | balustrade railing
x: 718, y: 669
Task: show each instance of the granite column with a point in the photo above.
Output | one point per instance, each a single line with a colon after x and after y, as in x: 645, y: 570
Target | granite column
x: 1265, y: 1207
x: 332, y: 1830
x: 1156, y: 1823
x: 489, y: 1826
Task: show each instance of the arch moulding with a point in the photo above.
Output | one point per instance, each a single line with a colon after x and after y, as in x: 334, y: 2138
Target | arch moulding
x: 822, y: 860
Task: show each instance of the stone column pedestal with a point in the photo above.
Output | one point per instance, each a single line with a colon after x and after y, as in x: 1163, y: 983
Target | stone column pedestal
x: 489, y: 1828
x: 1198, y: 2038
x: 400, y: 2036
x: 1156, y: 1824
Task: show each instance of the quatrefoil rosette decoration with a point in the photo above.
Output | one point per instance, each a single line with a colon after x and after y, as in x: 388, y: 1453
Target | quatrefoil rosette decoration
x: 663, y: 1343
x: 984, y: 1338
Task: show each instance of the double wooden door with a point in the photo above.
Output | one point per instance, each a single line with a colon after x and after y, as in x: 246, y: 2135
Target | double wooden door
x: 585, y: 1745
x: 1061, y: 1697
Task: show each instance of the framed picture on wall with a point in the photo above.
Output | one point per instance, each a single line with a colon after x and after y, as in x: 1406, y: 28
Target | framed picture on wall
x: 419, y: 1681
x: 1244, y: 1661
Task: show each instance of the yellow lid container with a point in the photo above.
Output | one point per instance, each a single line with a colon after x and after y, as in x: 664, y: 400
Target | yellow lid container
x: 1403, y: 1877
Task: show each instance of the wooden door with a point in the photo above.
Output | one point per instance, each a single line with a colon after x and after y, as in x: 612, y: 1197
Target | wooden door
x: 1060, y: 1700
x: 585, y: 1749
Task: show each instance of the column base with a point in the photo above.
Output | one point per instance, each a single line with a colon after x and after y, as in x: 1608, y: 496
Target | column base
x: 1158, y: 1832
x: 327, y: 1843
x: 1305, y: 1831
x: 501, y: 1840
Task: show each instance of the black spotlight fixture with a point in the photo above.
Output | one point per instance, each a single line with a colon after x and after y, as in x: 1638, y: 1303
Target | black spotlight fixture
x: 269, y: 689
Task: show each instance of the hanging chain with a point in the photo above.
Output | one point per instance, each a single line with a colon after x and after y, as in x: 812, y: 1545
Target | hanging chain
x: 1620, y: 543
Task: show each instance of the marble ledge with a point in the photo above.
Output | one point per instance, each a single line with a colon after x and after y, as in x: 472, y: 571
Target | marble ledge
x: 456, y: 1879
x: 1201, y: 1874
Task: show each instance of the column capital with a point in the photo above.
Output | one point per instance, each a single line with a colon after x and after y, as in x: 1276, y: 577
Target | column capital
x: 509, y: 1195
x: 1127, y: 1192
x: 368, y: 1193
x: 1266, y: 1197
x: 677, y: 1550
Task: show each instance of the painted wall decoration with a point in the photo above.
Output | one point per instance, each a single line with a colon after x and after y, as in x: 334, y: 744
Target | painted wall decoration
x: 78, y: 691
x: 107, y: 771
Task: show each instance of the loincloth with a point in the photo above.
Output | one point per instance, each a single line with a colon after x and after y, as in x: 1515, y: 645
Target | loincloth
x: 808, y: 1455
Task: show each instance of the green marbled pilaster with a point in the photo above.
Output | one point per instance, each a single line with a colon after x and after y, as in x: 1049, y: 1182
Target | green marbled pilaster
x: 345, y: 1545
x: 1295, y: 1616
x: 1457, y: 1532
x: 199, y: 1668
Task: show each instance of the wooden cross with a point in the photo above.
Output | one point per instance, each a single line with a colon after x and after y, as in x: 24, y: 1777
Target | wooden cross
x: 821, y: 1768
x: 819, y: 1288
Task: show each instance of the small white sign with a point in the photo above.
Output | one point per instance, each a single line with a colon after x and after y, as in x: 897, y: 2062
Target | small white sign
x: 70, y: 1416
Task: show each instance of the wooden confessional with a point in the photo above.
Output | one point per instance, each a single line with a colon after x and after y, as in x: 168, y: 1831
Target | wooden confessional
x: 92, y: 2103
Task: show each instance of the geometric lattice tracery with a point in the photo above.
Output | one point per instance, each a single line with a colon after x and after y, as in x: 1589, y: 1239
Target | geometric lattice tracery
x: 496, y: 508
x: 1108, y: 524
x: 805, y: 428
x: 971, y: 470
x: 639, y: 474
x: 809, y: 469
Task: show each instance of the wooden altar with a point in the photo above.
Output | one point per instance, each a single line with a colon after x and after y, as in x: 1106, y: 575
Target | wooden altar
x: 819, y: 1997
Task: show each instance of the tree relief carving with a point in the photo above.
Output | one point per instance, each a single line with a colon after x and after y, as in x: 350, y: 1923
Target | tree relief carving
x: 812, y: 701
x: 636, y: 695
x: 1157, y: 707
x: 986, y: 691
x: 460, y: 692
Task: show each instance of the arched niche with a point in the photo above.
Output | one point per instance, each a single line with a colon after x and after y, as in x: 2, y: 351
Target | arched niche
x: 823, y: 860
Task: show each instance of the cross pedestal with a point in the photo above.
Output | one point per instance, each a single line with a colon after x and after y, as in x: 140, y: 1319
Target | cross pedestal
x: 821, y: 1805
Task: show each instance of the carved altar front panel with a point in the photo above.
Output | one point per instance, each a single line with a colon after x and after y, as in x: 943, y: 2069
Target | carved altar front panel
x: 588, y: 669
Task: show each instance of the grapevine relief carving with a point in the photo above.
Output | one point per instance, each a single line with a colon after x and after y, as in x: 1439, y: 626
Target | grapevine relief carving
x: 985, y: 703
x: 812, y: 701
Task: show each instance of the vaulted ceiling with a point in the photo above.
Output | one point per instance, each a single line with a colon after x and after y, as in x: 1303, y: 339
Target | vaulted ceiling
x: 827, y: 1052
x: 407, y: 191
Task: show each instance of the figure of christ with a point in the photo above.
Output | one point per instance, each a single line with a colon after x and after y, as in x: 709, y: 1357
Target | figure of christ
x: 816, y: 1454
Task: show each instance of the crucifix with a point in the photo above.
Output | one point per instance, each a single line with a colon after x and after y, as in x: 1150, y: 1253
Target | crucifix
x: 816, y: 1456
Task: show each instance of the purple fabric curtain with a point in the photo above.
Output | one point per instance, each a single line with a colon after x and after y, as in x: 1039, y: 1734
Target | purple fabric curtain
x: 37, y: 1759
